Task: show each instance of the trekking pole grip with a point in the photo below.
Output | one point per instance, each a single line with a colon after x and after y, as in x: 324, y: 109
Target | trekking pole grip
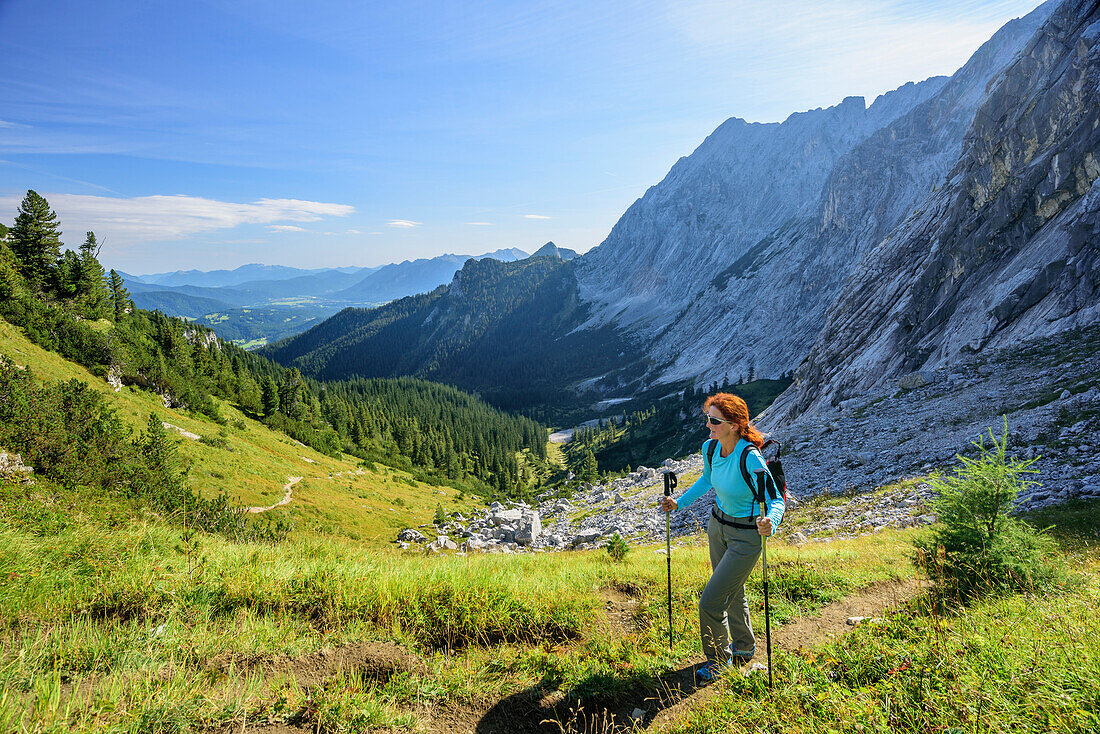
x: 761, y: 490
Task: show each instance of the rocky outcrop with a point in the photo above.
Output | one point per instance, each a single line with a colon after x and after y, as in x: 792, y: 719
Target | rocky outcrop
x: 762, y: 312
x: 13, y: 470
x: 1006, y: 250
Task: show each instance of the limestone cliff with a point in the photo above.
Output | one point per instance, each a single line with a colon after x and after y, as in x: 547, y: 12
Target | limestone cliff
x: 729, y: 265
x: 1006, y: 250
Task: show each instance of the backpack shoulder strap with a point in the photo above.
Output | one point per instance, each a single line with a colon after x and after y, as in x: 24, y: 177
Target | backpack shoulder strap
x: 710, y: 452
x: 757, y: 492
x: 745, y: 467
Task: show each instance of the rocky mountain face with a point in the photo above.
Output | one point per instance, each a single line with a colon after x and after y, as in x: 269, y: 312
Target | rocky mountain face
x: 853, y: 244
x: 506, y: 330
x: 731, y: 262
x: 1006, y: 250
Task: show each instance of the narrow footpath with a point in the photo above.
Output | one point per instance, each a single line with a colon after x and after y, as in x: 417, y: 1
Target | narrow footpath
x: 288, y: 490
x: 673, y: 695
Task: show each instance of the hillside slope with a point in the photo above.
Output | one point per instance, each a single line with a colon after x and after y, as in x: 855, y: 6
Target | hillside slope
x: 505, y: 330
x: 252, y: 463
x: 729, y: 266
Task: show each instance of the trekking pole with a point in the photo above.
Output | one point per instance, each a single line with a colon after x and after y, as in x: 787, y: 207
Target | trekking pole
x: 670, y: 484
x: 761, y: 483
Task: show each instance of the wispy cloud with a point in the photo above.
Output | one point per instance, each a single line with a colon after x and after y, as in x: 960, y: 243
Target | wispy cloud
x: 158, y: 218
x: 814, y: 54
x: 535, y: 216
x: 5, y: 123
x: 353, y: 231
x: 286, y: 228
x: 402, y: 223
x: 480, y: 224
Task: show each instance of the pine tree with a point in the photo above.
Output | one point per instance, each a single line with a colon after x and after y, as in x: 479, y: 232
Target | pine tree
x: 168, y: 487
x: 589, y: 469
x: 36, y: 240
x: 65, y: 278
x: 249, y: 395
x: 270, y: 397
x: 290, y: 393
x: 120, y: 297
x: 91, y: 291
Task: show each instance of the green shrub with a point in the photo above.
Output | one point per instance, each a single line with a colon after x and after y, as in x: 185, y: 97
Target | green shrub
x: 979, y: 547
x: 617, y: 548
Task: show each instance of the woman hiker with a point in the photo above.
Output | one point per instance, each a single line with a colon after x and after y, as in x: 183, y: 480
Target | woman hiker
x: 734, y: 532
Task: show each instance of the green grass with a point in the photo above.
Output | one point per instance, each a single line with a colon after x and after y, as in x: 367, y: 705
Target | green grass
x: 117, y: 625
x: 1021, y: 663
x: 83, y: 606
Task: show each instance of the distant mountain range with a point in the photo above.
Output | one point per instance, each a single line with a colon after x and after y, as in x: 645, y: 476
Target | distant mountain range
x: 257, y: 303
x: 237, y: 276
x: 417, y: 276
x: 848, y: 245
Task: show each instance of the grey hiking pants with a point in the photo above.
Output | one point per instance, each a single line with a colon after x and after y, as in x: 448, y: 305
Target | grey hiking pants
x: 723, y: 606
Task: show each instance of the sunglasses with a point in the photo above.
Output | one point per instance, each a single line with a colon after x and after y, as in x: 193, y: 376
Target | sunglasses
x: 715, y: 421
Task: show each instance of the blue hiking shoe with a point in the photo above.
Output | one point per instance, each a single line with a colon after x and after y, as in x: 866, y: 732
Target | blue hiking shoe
x: 711, y: 672
x: 740, y: 657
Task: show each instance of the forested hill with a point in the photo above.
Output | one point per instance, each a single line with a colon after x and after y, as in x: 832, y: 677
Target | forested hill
x: 501, y: 329
x: 62, y: 302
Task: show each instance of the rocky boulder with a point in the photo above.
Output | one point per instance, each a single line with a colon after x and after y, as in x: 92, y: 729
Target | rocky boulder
x: 411, y: 535
x: 530, y: 528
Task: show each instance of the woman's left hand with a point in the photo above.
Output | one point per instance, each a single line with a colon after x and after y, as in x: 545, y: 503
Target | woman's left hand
x: 764, y: 525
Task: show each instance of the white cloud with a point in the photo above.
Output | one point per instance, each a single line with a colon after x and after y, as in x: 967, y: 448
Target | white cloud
x: 402, y: 223
x: 353, y: 231
x: 480, y: 224
x: 159, y: 218
x: 5, y: 123
x: 535, y: 216
x: 286, y: 228
x: 813, y: 54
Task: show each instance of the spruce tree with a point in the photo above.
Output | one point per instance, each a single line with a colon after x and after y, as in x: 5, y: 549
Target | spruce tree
x: 120, y: 297
x: 270, y: 397
x: 36, y: 240
x: 589, y: 470
x: 91, y: 290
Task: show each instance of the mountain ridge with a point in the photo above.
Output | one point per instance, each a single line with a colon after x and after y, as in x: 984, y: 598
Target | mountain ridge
x: 765, y: 221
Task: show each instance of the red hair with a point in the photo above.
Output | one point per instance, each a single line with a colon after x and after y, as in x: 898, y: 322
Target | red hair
x: 736, y: 411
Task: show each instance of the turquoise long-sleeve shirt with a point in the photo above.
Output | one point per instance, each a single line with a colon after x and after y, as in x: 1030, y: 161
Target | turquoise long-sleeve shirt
x: 734, y: 496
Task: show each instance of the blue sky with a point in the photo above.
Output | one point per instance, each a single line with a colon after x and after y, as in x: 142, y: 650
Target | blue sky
x: 209, y: 134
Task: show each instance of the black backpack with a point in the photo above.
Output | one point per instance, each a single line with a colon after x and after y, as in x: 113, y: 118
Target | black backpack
x: 775, y: 466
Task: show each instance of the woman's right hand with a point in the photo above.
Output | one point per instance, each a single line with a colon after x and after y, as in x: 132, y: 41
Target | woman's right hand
x: 668, y: 504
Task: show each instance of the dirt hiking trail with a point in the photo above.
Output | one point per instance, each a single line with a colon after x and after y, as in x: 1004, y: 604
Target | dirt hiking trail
x: 288, y: 490
x: 538, y: 711
x: 674, y: 693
